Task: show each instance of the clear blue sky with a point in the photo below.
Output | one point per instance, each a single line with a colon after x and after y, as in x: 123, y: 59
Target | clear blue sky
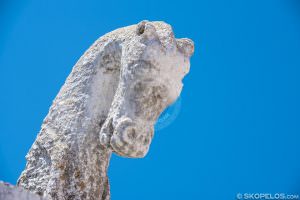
x: 238, y: 129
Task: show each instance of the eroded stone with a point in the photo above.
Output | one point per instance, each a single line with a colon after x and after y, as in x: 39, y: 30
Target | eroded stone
x: 109, y: 103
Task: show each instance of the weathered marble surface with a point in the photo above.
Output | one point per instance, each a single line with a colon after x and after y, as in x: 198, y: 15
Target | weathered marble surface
x: 109, y: 103
x: 10, y: 192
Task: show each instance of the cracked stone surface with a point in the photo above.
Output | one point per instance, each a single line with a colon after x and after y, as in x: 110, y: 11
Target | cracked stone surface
x: 10, y: 192
x: 108, y: 104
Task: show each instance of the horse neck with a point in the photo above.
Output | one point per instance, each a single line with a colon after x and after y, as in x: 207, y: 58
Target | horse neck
x: 76, y: 161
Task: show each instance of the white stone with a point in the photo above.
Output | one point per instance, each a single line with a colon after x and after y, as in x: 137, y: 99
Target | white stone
x: 10, y: 192
x: 109, y: 103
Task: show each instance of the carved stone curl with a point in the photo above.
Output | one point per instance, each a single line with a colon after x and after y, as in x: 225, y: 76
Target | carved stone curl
x: 109, y: 103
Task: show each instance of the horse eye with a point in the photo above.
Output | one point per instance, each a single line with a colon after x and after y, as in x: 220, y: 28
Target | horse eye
x: 141, y: 27
x: 141, y: 30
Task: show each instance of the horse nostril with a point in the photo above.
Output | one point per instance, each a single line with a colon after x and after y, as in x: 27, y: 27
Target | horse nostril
x: 146, y: 140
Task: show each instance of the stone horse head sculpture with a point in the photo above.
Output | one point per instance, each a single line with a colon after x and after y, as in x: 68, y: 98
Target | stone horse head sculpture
x: 109, y: 103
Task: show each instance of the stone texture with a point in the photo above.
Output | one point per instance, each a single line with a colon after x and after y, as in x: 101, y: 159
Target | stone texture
x: 9, y: 192
x: 109, y: 103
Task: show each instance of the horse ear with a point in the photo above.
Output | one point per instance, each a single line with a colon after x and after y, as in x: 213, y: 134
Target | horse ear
x: 146, y: 29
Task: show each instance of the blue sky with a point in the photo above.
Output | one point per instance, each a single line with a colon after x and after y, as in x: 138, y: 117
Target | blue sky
x: 238, y: 127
